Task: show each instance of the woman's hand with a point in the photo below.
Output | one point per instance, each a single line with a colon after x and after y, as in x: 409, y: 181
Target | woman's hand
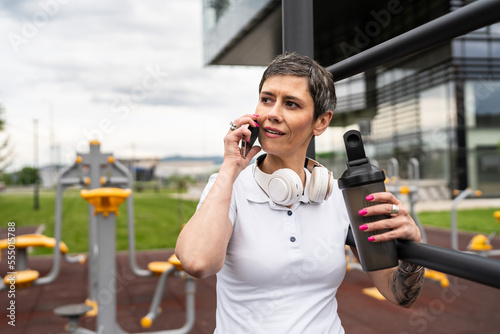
x: 400, y: 225
x: 402, y: 284
x: 232, y: 152
x: 202, y: 244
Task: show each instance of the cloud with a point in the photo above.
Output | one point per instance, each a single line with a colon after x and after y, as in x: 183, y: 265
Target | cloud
x: 91, y: 55
x: 18, y: 8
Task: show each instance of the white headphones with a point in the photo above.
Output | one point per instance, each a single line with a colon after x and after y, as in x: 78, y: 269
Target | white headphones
x: 284, y: 186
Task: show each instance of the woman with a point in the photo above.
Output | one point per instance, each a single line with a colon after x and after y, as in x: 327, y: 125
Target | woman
x: 279, y: 265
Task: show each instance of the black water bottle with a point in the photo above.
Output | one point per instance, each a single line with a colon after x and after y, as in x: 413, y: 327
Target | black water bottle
x: 358, y: 181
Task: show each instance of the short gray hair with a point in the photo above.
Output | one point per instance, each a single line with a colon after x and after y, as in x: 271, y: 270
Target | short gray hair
x: 320, y: 81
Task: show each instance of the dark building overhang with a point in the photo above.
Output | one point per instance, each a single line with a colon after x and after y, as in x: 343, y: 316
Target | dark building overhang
x: 341, y: 28
x: 238, y: 38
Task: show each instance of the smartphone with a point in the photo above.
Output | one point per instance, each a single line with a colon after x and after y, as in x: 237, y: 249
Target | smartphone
x: 246, y: 146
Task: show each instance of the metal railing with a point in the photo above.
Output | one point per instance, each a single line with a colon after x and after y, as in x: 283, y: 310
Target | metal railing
x: 464, y: 20
x: 473, y: 267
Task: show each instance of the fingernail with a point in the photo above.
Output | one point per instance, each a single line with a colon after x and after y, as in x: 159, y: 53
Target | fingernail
x: 257, y: 125
x: 369, y: 197
x: 256, y: 115
x: 371, y: 238
x: 363, y: 227
x: 362, y: 212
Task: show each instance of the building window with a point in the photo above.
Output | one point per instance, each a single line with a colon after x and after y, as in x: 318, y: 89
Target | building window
x: 488, y: 168
x: 482, y: 103
x: 476, y: 49
x: 495, y: 49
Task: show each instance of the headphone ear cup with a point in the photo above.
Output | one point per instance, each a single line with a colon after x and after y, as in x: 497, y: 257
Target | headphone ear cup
x: 285, y: 187
x: 320, y: 187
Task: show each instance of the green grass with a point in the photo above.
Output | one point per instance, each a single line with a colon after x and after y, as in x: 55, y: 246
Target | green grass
x: 473, y: 220
x: 157, y: 217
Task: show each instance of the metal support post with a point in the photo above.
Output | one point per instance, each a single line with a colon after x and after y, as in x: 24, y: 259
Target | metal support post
x: 298, y: 36
x: 454, y: 227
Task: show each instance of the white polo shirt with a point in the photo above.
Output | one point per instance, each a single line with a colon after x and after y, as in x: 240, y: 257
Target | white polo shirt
x: 283, y: 265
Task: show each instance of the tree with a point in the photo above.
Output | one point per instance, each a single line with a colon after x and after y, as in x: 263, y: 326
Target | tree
x: 27, y: 176
x: 5, y: 150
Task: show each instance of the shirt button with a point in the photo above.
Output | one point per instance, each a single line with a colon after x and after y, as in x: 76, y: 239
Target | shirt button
x: 292, y: 239
x: 290, y: 212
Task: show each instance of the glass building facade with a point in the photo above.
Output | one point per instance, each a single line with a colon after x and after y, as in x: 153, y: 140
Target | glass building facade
x: 440, y: 106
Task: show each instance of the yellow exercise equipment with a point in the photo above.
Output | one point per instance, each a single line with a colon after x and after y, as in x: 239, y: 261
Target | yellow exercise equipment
x: 24, y: 277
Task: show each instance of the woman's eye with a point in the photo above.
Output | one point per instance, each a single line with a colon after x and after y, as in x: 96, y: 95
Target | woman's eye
x: 292, y: 104
x: 265, y: 100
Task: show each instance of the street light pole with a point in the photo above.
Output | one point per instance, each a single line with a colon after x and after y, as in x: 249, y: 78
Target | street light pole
x: 36, y: 199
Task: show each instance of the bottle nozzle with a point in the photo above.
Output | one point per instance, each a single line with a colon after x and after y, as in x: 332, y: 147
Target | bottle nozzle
x: 359, y: 170
x: 354, y: 147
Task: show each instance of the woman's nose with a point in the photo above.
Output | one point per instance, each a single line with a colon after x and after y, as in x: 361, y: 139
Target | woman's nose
x: 275, y: 113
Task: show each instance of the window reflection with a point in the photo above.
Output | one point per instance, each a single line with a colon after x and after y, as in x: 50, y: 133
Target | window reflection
x: 495, y: 29
x: 495, y: 49
x: 476, y: 49
x: 434, y: 116
x: 351, y: 93
x: 482, y: 102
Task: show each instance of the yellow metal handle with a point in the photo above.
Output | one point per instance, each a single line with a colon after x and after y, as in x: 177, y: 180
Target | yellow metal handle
x: 146, y: 322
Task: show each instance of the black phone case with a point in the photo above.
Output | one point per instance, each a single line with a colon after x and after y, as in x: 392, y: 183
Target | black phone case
x: 246, y: 146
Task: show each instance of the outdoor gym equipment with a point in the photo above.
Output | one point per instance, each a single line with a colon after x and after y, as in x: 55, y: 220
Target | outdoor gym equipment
x: 93, y: 170
x: 67, y: 177
x: 165, y: 269
x: 411, y: 190
x: 479, y: 244
x: 105, y: 202
x: 22, y: 276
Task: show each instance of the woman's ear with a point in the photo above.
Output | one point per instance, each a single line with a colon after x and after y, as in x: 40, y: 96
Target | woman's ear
x: 322, y: 123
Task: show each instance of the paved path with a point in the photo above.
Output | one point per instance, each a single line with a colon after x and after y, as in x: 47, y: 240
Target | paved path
x: 464, y: 307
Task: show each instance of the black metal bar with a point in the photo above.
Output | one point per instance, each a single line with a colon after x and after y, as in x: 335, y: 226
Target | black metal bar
x: 298, y: 36
x: 464, y: 20
x: 460, y: 164
x: 469, y: 266
x: 298, y: 29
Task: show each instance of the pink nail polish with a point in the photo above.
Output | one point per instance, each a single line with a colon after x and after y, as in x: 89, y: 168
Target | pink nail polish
x: 256, y: 124
x: 256, y: 115
x: 362, y: 212
x: 371, y: 238
x: 369, y: 197
x: 363, y: 227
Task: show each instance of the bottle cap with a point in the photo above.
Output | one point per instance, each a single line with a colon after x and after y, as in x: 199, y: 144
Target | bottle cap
x: 359, y: 170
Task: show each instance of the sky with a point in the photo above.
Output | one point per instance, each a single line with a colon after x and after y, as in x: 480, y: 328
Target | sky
x: 127, y: 73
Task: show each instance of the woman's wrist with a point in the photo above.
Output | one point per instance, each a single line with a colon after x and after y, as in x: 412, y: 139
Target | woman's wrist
x: 228, y: 172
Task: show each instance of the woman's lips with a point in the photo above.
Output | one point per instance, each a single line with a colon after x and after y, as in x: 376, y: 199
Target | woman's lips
x: 273, y: 133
